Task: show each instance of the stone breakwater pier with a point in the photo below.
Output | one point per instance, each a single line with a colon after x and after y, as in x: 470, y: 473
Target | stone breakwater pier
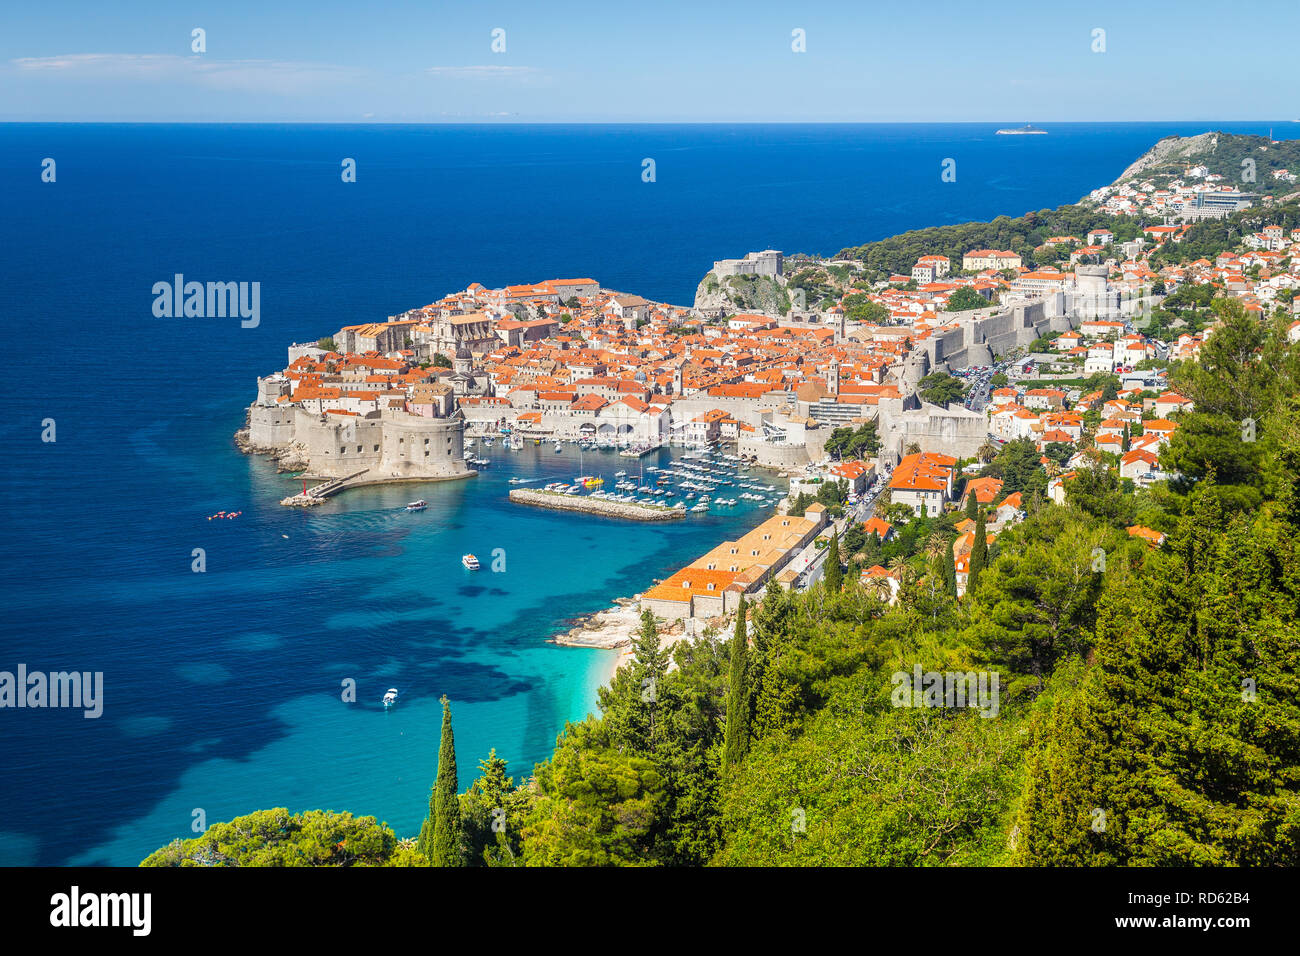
x: 595, y: 506
x: 317, y: 494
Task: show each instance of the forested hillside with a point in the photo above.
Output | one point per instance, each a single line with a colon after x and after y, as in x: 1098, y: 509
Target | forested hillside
x: 1147, y: 712
x: 1021, y: 235
x: 1148, y: 709
x: 1247, y: 162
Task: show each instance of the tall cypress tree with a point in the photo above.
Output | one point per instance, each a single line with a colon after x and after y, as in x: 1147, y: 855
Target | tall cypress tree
x: 979, y: 553
x: 950, y: 568
x: 440, y: 837
x: 736, y: 739
x: 972, y: 505
x: 834, y: 574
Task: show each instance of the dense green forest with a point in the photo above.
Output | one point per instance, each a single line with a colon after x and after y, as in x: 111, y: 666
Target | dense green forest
x: 1022, y: 235
x: 279, y: 838
x: 1147, y: 705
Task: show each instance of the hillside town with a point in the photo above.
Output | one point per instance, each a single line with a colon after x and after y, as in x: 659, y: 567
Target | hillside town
x: 937, y: 373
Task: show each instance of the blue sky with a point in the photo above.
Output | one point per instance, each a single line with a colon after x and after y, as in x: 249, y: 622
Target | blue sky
x: 664, y: 61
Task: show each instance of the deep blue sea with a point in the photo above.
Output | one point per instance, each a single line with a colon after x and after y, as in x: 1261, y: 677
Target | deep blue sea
x: 222, y: 689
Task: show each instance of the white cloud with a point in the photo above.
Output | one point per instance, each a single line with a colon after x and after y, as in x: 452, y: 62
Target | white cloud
x: 480, y: 72
x: 254, y: 76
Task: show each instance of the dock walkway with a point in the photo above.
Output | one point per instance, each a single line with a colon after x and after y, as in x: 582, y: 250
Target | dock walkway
x: 317, y: 494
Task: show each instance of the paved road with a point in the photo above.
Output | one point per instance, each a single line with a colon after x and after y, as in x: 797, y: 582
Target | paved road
x: 810, y: 563
x: 981, y: 386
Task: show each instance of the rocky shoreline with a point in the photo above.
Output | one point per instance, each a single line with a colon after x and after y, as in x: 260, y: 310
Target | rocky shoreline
x: 291, y: 457
x: 597, y: 506
x: 608, y: 629
x: 613, y: 629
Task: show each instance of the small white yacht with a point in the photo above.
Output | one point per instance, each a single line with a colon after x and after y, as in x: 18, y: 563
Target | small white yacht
x: 417, y: 505
x: 390, y: 698
x: 470, y: 562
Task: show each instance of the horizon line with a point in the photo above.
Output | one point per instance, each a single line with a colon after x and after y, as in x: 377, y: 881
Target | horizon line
x: 511, y: 122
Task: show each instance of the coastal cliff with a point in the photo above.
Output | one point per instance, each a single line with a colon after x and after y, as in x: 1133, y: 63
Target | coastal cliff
x: 742, y: 293
x: 1167, y: 150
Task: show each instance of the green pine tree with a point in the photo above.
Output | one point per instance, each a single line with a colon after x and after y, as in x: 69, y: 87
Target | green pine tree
x: 1180, y: 742
x: 632, y: 705
x: 651, y: 665
x: 736, y: 741
x: 834, y: 574
x: 440, y: 837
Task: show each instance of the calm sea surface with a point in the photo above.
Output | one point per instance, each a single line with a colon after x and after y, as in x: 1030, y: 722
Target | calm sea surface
x: 222, y: 689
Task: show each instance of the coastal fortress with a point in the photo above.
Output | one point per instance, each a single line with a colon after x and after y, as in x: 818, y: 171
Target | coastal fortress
x: 415, y: 435
x: 566, y: 359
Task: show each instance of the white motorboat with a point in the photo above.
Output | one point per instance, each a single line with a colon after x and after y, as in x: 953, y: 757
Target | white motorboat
x: 390, y: 698
x: 417, y: 505
x: 470, y: 562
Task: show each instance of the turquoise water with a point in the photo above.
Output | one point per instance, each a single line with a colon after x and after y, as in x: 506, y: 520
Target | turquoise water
x: 226, y: 696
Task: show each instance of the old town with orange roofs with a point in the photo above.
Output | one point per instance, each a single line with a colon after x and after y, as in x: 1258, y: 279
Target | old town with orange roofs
x: 568, y: 360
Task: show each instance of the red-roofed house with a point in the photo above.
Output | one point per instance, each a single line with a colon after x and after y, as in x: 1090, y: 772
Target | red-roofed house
x: 881, y: 528
x: 923, y: 482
